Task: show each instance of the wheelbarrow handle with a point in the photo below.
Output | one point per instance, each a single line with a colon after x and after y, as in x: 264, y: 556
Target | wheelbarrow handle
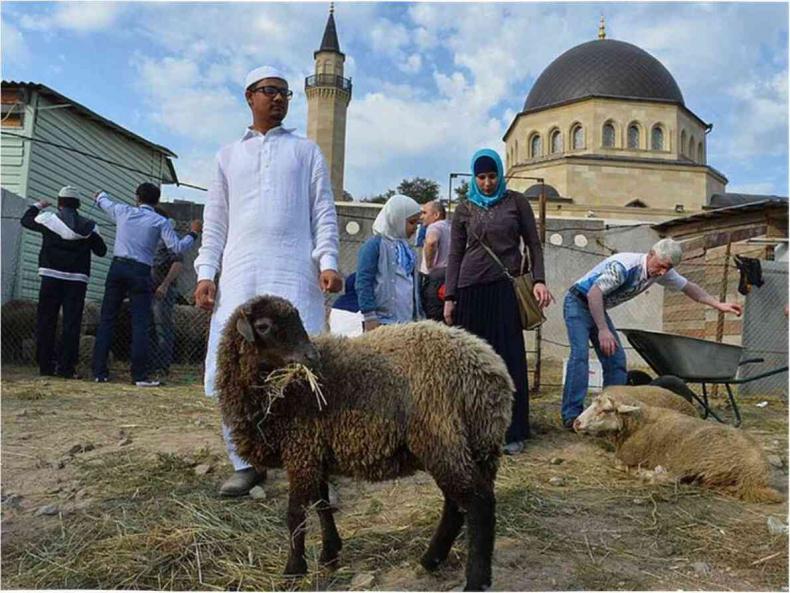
x: 750, y: 360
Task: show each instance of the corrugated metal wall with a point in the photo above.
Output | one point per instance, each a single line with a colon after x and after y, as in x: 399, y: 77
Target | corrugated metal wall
x: 50, y: 168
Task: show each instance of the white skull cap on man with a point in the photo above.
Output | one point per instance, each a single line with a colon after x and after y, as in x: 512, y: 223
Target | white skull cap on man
x: 261, y: 73
x: 68, y: 191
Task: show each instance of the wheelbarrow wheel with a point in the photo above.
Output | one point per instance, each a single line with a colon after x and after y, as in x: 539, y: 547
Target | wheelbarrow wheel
x: 638, y: 378
x: 676, y: 385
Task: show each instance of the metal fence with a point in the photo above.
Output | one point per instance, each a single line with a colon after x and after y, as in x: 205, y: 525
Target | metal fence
x: 572, y: 248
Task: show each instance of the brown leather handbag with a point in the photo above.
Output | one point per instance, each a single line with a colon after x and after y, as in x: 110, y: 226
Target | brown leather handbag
x: 528, y: 308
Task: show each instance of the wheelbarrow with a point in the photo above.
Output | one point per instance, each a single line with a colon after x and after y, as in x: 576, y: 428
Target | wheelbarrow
x: 696, y: 361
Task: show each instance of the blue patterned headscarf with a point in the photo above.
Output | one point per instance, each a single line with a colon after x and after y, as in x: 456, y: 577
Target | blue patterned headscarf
x: 478, y: 197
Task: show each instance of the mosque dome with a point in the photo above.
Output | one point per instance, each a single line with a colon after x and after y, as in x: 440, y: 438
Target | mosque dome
x: 603, y: 68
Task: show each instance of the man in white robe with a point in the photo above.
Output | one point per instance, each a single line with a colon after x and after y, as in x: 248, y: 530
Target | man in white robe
x: 270, y: 227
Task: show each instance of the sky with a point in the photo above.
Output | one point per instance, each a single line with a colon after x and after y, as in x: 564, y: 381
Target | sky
x: 433, y: 82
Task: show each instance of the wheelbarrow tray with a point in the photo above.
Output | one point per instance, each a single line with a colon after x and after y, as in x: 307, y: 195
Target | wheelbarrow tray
x: 691, y: 359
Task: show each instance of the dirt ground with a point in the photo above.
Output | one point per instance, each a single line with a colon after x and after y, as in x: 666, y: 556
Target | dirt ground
x: 110, y: 486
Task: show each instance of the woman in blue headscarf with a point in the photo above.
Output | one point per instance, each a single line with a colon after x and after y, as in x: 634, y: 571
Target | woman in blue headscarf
x: 386, y: 282
x: 479, y: 296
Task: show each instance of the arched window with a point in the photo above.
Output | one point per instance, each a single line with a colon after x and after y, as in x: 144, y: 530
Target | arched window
x: 700, y: 153
x: 683, y: 142
x: 657, y: 138
x: 556, y: 142
x: 515, y: 152
x: 633, y: 136
x: 608, y: 135
x: 577, y: 137
x: 691, y: 151
x: 535, y: 147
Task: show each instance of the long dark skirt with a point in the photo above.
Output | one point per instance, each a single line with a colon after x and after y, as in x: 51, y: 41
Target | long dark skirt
x: 491, y: 312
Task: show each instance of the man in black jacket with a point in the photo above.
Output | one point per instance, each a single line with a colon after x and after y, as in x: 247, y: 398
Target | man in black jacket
x: 64, y: 264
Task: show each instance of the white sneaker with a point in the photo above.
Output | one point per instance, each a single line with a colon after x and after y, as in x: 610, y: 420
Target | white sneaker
x: 147, y: 383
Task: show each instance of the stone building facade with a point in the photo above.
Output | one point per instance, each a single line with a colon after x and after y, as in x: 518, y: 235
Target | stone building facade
x: 606, y: 126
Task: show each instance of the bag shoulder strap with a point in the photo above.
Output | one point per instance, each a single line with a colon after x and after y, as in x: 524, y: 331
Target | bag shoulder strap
x: 493, y: 255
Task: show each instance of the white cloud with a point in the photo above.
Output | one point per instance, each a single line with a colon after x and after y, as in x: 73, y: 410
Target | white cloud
x: 82, y: 17
x: 413, y: 64
x: 762, y: 108
x: 14, y: 46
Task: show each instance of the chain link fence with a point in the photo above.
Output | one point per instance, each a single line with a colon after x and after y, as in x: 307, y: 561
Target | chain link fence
x: 572, y: 248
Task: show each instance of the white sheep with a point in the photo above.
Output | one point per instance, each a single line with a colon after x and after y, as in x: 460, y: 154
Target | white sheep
x: 715, y: 455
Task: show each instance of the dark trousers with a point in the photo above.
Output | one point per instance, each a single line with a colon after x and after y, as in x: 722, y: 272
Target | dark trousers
x: 54, y: 294
x: 133, y: 279
x: 432, y: 305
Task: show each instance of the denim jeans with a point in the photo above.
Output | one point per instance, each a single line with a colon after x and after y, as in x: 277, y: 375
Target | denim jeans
x: 582, y: 330
x: 163, y: 335
x: 124, y: 278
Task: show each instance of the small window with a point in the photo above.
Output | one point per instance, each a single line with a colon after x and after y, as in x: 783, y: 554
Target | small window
x: 578, y: 137
x: 636, y: 203
x: 691, y: 148
x: 556, y: 142
x: 633, y: 136
x: 657, y: 138
x: 535, y: 147
x: 683, y: 142
x: 700, y: 154
x: 608, y: 135
x: 515, y: 153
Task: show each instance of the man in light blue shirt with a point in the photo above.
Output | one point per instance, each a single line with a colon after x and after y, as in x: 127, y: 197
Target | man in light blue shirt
x: 139, y: 230
x: 615, y: 280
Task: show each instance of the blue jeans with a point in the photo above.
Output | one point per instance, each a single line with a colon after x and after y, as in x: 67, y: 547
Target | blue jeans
x: 163, y: 336
x: 124, y: 278
x: 582, y: 330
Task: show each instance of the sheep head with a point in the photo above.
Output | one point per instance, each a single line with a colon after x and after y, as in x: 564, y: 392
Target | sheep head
x: 273, y: 327
x: 603, y: 416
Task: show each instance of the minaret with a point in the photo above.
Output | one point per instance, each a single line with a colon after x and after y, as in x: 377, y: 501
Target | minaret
x: 328, y: 95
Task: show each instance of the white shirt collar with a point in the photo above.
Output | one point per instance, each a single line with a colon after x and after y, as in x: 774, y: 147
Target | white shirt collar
x: 250, y: 133
x: 151, y: 208
x: 644, y: 267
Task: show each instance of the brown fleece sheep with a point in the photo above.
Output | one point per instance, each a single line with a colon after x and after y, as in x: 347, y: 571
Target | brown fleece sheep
x: 715, y: 455
x: 650, y: 395
x: 398, y: 399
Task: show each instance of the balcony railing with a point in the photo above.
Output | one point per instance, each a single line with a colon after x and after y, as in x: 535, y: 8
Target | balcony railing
x: 328, y: 80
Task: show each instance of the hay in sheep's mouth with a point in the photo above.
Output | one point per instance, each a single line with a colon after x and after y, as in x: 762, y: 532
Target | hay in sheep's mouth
x: 277, y: 381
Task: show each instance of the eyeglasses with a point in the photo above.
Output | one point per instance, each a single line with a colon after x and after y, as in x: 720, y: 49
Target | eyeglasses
x: 273, y: 91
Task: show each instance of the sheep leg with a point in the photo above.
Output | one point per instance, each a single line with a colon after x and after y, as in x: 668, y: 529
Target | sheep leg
x: 449, y: 526
x: 298, y: 500
x: 481, y: 524
x: 330, y: 539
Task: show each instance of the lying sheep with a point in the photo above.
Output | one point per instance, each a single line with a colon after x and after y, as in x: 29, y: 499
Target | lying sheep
x: 398, y: 399
x: 651, y: 396
x: 716, y: 455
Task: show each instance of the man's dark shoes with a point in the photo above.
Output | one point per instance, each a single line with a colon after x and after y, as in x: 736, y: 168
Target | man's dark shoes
x: 241, y: 482
x: 101, y: 379
x: 568, y: 424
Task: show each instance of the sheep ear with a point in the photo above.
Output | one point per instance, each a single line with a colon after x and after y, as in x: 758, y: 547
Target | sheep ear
x: 245, y: 329
x: 626, y: 409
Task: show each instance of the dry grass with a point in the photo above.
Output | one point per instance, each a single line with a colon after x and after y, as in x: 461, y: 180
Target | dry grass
x: 152, y: 523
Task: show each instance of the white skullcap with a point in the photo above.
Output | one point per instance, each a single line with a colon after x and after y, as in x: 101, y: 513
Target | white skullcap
x: 261, y: 73
x: 69, y: 192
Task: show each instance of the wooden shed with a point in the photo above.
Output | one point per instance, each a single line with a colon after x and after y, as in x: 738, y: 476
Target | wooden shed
x: 48, y: 141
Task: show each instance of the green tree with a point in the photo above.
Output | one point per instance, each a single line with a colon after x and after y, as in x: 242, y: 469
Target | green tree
x: 421, y: 189
x: 462, y: 191
x: 381, y: 198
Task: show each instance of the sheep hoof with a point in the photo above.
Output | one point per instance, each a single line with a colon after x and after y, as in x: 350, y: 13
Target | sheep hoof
x: 329, y: 559
x: 296, y: 567
x: 430, y: 563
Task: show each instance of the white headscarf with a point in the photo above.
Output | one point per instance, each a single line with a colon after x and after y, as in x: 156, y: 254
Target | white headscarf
x: 391, y: 221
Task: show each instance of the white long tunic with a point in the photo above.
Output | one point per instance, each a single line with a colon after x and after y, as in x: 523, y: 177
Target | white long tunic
x: 269, y: 227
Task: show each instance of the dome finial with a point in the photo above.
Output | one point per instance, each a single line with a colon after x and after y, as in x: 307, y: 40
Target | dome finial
x: 602, y: 28
x: 331, y: 8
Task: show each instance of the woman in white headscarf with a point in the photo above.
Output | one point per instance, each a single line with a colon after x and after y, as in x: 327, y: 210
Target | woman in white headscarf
x: 386, y: 282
